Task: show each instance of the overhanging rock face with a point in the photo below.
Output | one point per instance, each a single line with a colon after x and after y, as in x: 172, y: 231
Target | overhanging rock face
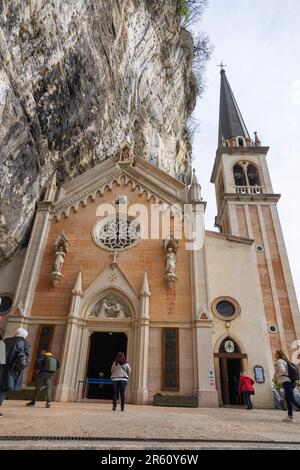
x: 78, y: 79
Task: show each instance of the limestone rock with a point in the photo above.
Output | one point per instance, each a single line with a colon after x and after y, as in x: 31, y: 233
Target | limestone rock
x: 77, y: 78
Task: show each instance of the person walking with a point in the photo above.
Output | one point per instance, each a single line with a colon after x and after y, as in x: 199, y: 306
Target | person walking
x: 2, y: 352
x: 14, y: 359
x: 2, y: 357
x: 297, y: 395
x: 47, y: 366
x: 246, y: 389
x: 282, y: 375
x: 120, y: 372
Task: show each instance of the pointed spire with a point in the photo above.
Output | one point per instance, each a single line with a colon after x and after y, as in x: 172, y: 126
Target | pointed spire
x: 51, y: 189
x: 145, y: 290
x: 231, y: 123
x: 195, y: 189
x: 257, y: 142
x: 78, y: 285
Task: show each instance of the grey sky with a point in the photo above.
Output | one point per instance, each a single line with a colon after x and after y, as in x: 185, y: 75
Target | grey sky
x: 259, y: 40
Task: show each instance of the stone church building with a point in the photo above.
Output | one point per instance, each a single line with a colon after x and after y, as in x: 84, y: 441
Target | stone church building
x: 189, y: 320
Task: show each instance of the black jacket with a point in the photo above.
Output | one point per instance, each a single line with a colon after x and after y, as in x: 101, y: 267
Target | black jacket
x: 10, y: 379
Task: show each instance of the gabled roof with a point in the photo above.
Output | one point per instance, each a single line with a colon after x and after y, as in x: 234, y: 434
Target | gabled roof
x: 147, y: 178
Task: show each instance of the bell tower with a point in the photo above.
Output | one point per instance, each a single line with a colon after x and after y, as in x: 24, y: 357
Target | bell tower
x: 247, y: 207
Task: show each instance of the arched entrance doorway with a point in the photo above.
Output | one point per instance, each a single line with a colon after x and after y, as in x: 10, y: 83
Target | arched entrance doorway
x: 230, y: 366
x: 109, y: 305
x: 103, y: 348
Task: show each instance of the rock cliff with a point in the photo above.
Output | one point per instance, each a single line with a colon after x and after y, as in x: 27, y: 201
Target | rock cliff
x: 79, y: 77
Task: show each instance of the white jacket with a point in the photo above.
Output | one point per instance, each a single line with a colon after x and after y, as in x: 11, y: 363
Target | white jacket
x: 281, y: 371
x: 120, y: 372
x: 2, y: 352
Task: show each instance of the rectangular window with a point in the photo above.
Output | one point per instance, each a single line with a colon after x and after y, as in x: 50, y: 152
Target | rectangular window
x: 170, y: 367
x: 44, y: 339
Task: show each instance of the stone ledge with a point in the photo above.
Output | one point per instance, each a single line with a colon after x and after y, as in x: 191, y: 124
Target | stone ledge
x: 188, y: 401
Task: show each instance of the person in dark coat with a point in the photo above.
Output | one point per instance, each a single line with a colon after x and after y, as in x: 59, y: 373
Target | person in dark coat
x: 11, y: 373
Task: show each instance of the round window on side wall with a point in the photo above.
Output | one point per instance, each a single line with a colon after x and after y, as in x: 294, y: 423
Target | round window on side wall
x: 273, y: 329
x: 226, y: 308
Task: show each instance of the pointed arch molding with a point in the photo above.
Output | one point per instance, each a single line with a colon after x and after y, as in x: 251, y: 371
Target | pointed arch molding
x: 233, y: 338
x: 111, y: 281
x: 67, y: 204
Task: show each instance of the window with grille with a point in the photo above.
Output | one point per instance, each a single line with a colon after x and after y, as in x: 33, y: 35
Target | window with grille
x: 170, y: 376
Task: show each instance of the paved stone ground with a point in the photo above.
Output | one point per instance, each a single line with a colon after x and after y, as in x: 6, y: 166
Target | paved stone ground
x: 146, y: 427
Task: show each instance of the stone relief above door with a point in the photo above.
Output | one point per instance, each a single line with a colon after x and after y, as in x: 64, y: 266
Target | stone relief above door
x: 111, y: 306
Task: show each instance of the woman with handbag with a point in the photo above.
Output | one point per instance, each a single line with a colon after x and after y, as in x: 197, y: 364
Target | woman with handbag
x: 16, y: 360
x: 120, y: 372
x: 246, y: 389
x: 283, y: 370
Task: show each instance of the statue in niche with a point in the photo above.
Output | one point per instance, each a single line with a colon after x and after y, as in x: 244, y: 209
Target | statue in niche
x: 61, y: 246
x: 59, y: 259
x: 125, y: 157
x: 170, y: 257
x: 170, y: 261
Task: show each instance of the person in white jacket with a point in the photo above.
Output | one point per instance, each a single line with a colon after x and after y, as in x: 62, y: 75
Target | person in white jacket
x: 2, y: 352
x: 282, y: 377
x: 120, y: 372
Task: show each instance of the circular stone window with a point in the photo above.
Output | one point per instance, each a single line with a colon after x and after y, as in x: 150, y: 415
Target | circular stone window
x: 115, y: 234
x: 273, y: 329
x: 225, y: 308
x: 259, y: 249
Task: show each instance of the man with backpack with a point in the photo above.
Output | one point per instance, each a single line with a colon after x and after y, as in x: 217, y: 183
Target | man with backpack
x: 287, y: 374
x: 47, y: 366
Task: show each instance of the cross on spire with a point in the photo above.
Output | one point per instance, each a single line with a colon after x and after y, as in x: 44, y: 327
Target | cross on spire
x: 221, y: 65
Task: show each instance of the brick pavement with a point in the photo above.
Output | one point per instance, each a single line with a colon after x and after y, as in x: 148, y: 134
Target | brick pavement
x: 146, y: 427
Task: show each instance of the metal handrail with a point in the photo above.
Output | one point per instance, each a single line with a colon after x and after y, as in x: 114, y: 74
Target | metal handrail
x: 89, y: 381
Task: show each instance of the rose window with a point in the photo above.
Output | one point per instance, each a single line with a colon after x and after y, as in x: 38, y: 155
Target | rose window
x: 116, y: 233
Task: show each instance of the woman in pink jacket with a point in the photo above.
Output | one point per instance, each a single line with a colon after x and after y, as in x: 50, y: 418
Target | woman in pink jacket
x: 246, y: 389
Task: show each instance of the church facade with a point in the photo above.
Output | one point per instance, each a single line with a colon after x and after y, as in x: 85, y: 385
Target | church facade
x: 112, y: 265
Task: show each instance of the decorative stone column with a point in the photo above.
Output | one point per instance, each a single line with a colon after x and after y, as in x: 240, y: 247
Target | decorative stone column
x: 66, y: 389
x: 204, y: 373
x: 141, y: 392
x: 34, y: 254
